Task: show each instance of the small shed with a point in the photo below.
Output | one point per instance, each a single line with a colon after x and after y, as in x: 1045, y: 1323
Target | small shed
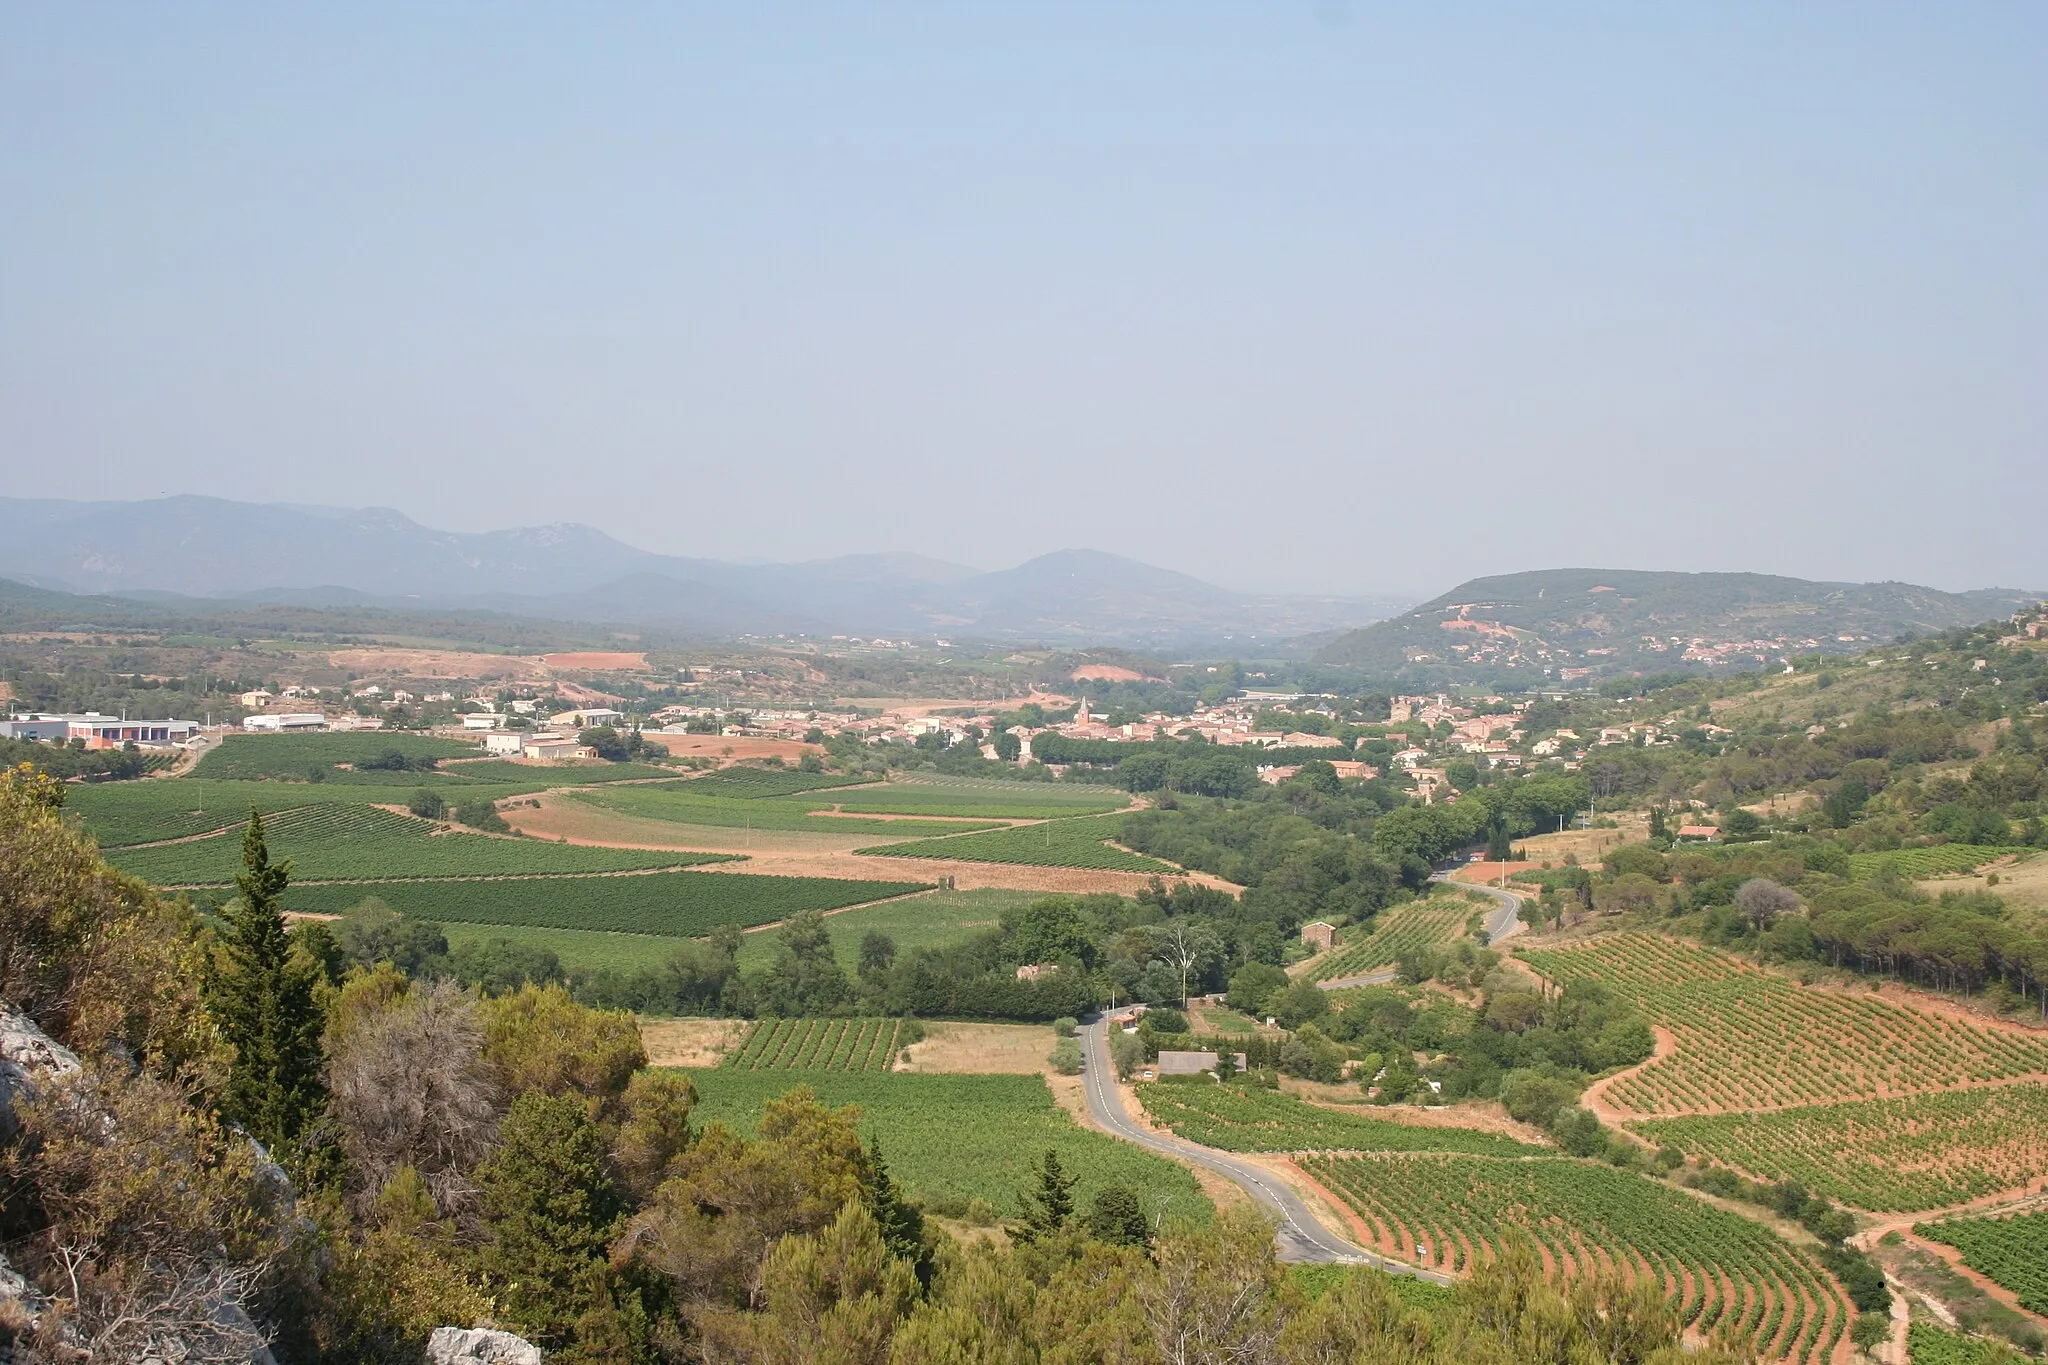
x: 1318, y: 935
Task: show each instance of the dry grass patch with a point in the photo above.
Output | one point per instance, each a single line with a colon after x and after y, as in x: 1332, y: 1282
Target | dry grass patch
x: 982, y: 1049
x: 692, y: 1043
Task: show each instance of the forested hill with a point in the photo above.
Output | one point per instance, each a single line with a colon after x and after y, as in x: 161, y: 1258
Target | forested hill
x: 1573, y: 623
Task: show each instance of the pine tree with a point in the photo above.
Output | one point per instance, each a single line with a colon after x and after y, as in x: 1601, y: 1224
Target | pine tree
x: 550, y: 1210
x: 899, y: 1220
x: 1048, y: 1206
x: 1118, y: 1218
x: 263, y: 997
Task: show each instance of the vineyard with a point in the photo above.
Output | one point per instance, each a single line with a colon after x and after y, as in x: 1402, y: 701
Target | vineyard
x: 121, y: 814
x: 1931, y: 1345
x: 1722, y: 1270
x: 1934, y: 861
x: 538, y: 778
x: 678, y: 904
x: 1395, y: 933
x: 348, y: 842
x: 678, y: 803
x: 1892, y: 1155
x: 1048, y: 802
x: 1245, y: 1119
x: 1079, y: 842
x: 756, y: 783
x: 958, y: 1137
x: 2010, y: 1251
x: 817, y: 1045
x: 1750, y: 1039
x: 254, y: 757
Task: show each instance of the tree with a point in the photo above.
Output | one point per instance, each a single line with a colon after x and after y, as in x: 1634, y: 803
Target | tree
x: 877, y: 952
x: 549, y: 1212
x: 262, y: 994
x: 1049, y: 1203
x: 1118, y: 1218
x: 427, y: 804
x: 1871, y: 1331
x: 898, y: 1219
x: 1762, y: 900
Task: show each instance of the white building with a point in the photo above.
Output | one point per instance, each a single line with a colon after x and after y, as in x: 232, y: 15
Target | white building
x: 590, y: 718
x: 294, y: 720
x: 505, y: 743
x: 483, y: 720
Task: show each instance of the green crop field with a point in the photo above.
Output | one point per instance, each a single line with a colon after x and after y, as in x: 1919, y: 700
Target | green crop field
x: 677, y: 804
x: 673, y: 904
x: 817, y: 1045
x: 1394, y: 934
x: 2010, y: 1251
x: 120, y: 814
x: 1035, y: 801
x: 1933, y: 861
x: 538, y: 777
x: 1891, y: 1155
x: 1077, y: 842
x: 1752, y: 1039
x: 1931, y: 1345
x: 343, y: 843
x: 1723, y: 1270
x: 757, y: 783
x: 254, y: 757
x: 963, y: 1137
x: 585, y: 950
x: 936, y: 919
x: 1240, y: 1118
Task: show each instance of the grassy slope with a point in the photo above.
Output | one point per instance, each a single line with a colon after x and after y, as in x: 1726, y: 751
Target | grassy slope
x: 1079, y: 842
x: 933, y: 920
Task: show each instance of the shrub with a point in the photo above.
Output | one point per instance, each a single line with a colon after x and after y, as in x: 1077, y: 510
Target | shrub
x: 1066, y: 1057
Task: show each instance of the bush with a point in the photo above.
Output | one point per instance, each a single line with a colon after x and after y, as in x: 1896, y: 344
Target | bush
x: 1066, y: 1057
x: 427, y: 804
x: 482, y: 815
x: 1065, y: 1026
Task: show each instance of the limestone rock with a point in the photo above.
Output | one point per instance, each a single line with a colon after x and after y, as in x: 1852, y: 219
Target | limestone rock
x: 479, y: 1346
x: 27, y: 1055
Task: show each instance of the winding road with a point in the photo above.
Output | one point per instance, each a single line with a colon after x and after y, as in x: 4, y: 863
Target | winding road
x: 1301, y: 1235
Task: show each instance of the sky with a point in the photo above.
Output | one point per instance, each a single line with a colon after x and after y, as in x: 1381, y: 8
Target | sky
x: 1326, y: 297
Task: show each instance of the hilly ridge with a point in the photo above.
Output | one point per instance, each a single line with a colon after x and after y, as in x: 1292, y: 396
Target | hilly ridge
x: 1570, y: 623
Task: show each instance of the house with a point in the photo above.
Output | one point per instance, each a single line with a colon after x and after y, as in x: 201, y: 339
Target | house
x: 505, y: 743
x: 258, y: 699
x: 1320, y: 936
x: 590, y: 718
x: 556, y: 746
x: 291, y: 720
x: 1699, y: 832
x: 1275, y: 775
x: 1296, y: 739
x: 1191, y: 1063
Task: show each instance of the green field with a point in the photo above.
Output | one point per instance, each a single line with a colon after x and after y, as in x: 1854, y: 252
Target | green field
x: 1056, y: 843
x: 1314, y: 1281
x: 1722, y: 1270
x: 1934, y: 861
x: 537, y: 777
x: 963, y: 1137
x: 817, y: 1045
x: 1888, y: 1156
x: 937, y: 919
x: 255, y: 757
x: 753, y: 784
x: 344, y: 843
x: 1238, y: 1118
x: 677, y: 803
x: 119, y: 814
x: 1025, y: 801
x: 1931, y: 1345
x: 586, y: 950
x: 1413, y: 927
x: 674, y: 904
x: 2010, y: 1251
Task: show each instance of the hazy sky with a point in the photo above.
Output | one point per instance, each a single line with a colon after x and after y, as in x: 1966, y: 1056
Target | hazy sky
x: 1300, y: 296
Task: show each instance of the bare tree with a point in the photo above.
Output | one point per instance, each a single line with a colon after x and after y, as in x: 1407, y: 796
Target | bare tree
x: 409, y: 1087
x: 1762, y: 900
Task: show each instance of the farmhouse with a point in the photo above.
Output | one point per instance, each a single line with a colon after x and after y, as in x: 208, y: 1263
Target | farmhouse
x: 1319, y: 936
x: 286, y: 720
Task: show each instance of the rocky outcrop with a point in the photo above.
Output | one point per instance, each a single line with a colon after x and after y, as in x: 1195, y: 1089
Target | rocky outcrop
x: 479, y: 1346
x: 28, y: 1056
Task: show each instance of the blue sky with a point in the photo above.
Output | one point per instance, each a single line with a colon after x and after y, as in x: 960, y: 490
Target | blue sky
x: 1329, y: 297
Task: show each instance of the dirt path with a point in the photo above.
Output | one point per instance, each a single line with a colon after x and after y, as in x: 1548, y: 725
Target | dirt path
x: 1594, y: 1100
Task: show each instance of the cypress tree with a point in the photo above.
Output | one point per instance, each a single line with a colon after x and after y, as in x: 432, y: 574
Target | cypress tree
x: 1118, y: 1218
x: 550, y: 1210
x: 899, y: 1220
x: 1049, y: 1204
x: 262, y: 995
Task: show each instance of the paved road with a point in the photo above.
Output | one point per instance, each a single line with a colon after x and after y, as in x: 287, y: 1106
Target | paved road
x: 1503, y: 922
x: 1301, y: 1236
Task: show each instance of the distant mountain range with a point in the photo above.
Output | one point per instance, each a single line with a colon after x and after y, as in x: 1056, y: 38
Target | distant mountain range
x: 1568, y: 624
x: 197, y: 547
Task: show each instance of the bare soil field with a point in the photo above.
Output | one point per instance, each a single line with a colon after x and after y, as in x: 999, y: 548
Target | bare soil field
x: 693, y: 1043
x: 596, y: 661
x: 731, y: 747
x: 981, y: 1049
x: 801, y: 853
x: 1105, y: 673
x: 1590, y: 845
x: 438, y: 663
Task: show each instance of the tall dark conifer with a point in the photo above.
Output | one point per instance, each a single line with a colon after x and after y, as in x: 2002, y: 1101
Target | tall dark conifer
x: 262, y: 996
